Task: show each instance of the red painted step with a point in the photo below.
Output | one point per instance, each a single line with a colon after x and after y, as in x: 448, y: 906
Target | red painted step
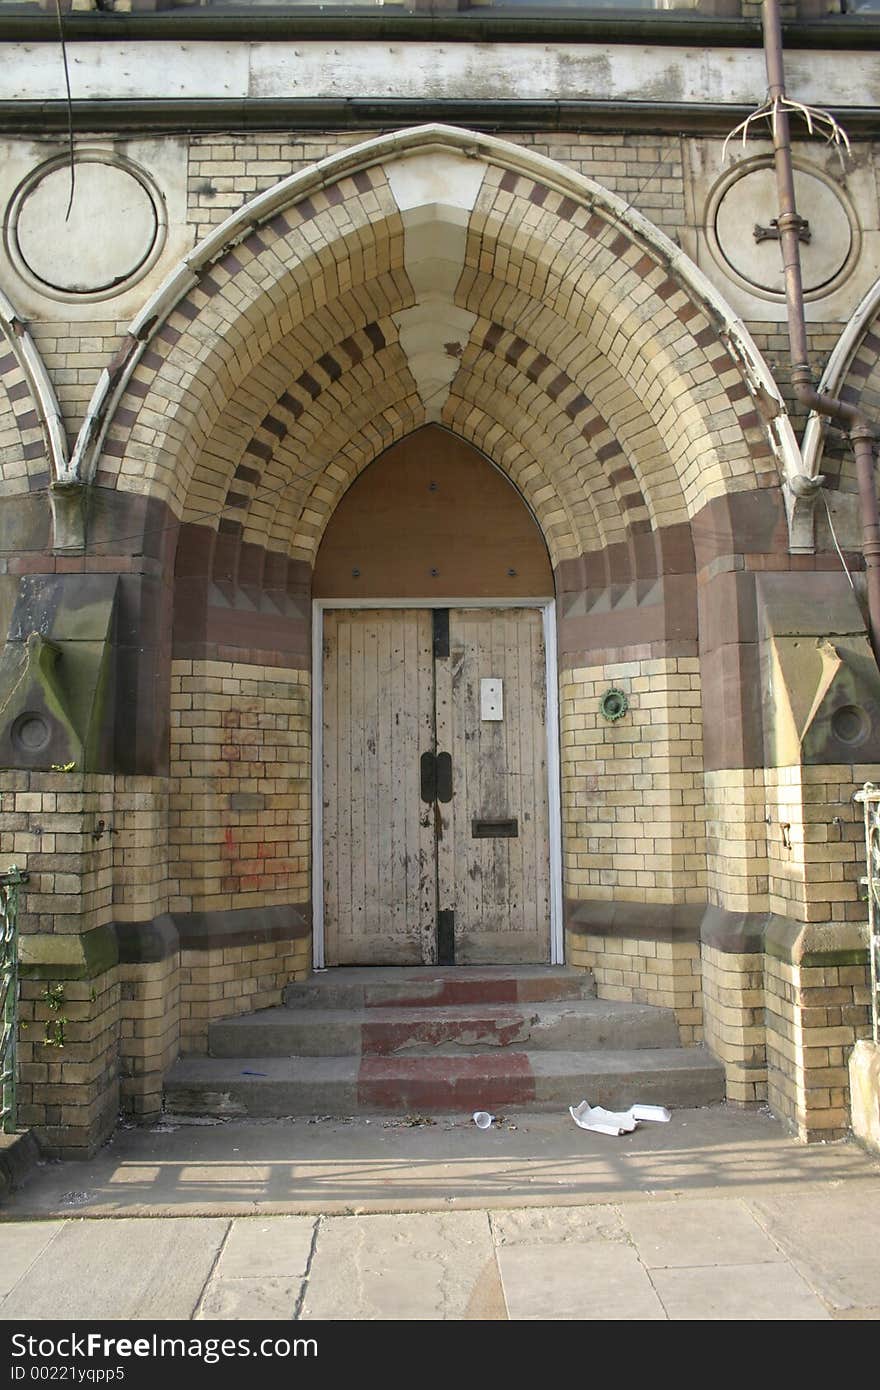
x: 408, y: 987
x: 445, y: 1083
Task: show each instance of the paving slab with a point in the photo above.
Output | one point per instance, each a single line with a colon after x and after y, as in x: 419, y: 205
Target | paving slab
x: 833, y: 1239
x: 552, y: 1225
x: 261, y: 1269
x: 426, y: 1266
x: 738, y: 1293
x: 20, y: 1248
x: 127, y: 1268
x: 593, y: 1281
x: 275, y: 1246
x: 688, y: 1233
x: 250, y: 1300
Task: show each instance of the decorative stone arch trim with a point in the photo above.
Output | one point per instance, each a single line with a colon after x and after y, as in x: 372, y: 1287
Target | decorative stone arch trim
x: 33, y: 402
x: 856, y: 344
x: 854, y: 361
x: 638, y: 247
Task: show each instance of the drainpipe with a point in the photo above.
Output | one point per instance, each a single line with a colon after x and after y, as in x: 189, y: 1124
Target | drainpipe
x: 789, y: 224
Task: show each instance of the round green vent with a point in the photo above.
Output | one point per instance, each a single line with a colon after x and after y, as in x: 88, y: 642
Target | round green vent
x: 613, y: 705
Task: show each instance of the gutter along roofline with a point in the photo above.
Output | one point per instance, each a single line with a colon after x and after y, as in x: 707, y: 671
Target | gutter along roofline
x: 832, y: 32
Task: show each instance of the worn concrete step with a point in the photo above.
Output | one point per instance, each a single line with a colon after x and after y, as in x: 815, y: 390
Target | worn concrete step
x: 366, y: 987
x: 267, y: 1086
x: 452, y: 1029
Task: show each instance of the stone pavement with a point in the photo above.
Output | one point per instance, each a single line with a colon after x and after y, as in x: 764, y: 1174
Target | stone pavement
x: 717, y: 1215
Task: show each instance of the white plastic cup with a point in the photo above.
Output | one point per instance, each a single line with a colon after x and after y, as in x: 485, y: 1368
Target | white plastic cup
x: 482, y: 1119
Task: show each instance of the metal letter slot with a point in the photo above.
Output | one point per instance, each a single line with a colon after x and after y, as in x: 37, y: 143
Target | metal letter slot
x: 494, y: 829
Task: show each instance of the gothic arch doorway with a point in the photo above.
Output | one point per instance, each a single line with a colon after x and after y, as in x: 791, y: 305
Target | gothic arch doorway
x: 435, y: 740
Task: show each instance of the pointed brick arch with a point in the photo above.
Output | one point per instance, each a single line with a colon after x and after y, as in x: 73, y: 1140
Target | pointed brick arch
x: 247, y: 375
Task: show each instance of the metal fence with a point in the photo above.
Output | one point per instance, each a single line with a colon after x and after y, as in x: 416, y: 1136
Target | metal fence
x: 869, y: 796
x: 10, y: 883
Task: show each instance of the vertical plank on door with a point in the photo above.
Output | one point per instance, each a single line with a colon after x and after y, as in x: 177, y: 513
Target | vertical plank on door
x: 359, y: 710
x: 451, y: 887
x: 499, y: 888
x: 520, y: 851
x: 427, y: 856
x: 330, y: 777
x: 378, y: 847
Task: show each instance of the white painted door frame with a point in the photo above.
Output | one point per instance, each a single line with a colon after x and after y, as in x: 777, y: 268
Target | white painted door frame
x: 554, y: 786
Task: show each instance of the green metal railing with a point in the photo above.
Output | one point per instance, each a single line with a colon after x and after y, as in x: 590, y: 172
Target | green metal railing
x: 10, y: 883
x: 869, y: 796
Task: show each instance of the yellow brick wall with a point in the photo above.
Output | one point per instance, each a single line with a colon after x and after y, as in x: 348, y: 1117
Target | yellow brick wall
x: 224, y: 173
x: 240, y: 786
x: 69, y: 1089
x: 234, y: 980
x: 124, y: 1027
x: 736, y: 839
x: 733, y: 1001
x: 140, y: 848
x: 633, y: 817
x: 815, y: 842
x: 50, y: 824
x: 663, y: 973
x: 814, y: 1016
x: 149, y: 1032
x: 75, y: 353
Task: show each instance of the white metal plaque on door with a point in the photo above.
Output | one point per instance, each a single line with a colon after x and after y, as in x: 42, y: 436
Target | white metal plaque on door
x: 491, y: 698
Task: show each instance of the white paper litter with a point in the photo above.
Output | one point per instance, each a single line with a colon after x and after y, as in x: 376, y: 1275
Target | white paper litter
x: 650, y: 1112
x: 615, y: 1122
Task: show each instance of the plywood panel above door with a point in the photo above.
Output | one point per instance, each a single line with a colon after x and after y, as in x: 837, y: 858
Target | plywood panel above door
x: 432, y: 518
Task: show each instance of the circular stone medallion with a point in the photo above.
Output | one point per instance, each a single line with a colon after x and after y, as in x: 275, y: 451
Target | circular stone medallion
x: 850, y: 723
x: 111, y: 233
x: 30, y: 733
x: 750, y: 200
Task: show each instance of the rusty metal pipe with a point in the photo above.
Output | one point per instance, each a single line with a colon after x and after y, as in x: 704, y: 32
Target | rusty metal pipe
x: 789, y: 224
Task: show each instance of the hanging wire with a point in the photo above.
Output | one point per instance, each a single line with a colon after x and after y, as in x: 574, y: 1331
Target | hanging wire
x: 63, y: 42
x: 837, y: 543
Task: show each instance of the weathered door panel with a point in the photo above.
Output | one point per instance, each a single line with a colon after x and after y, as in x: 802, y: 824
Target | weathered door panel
x: 496, y: 882
x: 402, y: 722
x: 379, y: 864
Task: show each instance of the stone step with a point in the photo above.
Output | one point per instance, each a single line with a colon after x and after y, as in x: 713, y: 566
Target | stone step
x: 366, y: 987
x: 503, y: 1079
x: 450, y: 1029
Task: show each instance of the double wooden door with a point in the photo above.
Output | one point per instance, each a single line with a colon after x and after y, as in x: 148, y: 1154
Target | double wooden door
x: 435, y: 787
